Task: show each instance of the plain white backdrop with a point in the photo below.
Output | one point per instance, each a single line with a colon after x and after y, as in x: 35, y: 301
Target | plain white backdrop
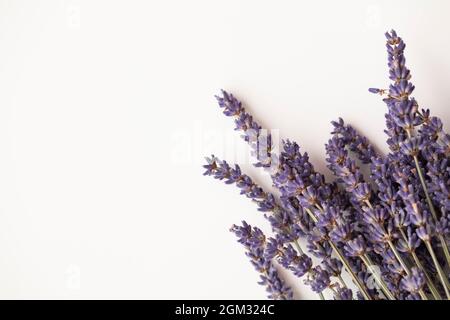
x: 107, y: 109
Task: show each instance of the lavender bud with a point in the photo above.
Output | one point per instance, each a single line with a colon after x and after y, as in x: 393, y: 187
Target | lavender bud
x: 356, y: 247
x: 413, y: 283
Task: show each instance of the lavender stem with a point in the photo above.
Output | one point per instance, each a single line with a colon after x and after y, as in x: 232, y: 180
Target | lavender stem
x: 341, y: 257
x: 438, y: 268
x: 299, y: 249
x: 433, y: 211
x: 341, y: 280
x: 431, y: 286
x: 429, y: 281
x: 398, y: 256
x: 404, y: 266
x: 430, y: 204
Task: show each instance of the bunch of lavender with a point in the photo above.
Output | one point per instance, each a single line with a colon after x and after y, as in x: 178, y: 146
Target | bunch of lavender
x: 388, y: 232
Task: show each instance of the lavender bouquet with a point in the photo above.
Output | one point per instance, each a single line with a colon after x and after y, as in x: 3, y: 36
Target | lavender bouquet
x: 381, y: 237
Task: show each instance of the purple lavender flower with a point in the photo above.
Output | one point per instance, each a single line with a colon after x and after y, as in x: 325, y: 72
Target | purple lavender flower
x: 341, y: 233
x: 318, y: 279
x: 259, y: 140
x: 410, y: 243
x: 425, y: 233
x: 298, y: 264
x: 280, y: 220
x: 356, y: 247
x: 333, y: 266
x: 343, y: 293
x: 254, y: 240
x: 393, y: 221
x: 357, y: 143
x: 306, y: 183
x: 413, y: 283
x: 375, y: 90
x: 411, y: 147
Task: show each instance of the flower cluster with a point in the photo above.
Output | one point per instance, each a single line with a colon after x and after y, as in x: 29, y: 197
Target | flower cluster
x: 388, y: 231
x: 254, y: 241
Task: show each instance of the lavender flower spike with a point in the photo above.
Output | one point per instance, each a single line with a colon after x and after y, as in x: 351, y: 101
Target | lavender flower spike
x: 279, y: 217
x: 391, y: 227
x: 414, y: 282
x: 254, y: 240
x: 260, y: 141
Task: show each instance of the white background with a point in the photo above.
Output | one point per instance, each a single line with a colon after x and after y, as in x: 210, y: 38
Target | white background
x: 107, y: 108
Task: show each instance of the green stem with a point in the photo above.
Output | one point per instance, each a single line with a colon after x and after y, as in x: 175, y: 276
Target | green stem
x: 434, y: 291
x: 341, y: 280
x: 438, y: 268
x: 297, y: 246
x: 369, y: 264
x: 445, y: 249
x: 299, y: 249
x: 356, y: 279
x: 431, y: 286
x: 425, y: 189
x: 344, y: 261
x: 399, y: 257
x: 405, y: 267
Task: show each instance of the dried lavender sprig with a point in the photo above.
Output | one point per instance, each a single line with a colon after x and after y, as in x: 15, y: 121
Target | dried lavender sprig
x: 287, y: 161
x: 397, y: 254
x: 436, y: 153
x: 334, y: 267
x: 318, y: 278
x: 302, y: 265
x: 403, y: 145
x: 280, y: 219
x: 254, y: 240
x: 421, y: 219
x: 239, y: 104
x: 388, y: 194
x: 299, y: 181
x: 286, y: 229
x: 441, y: 273
x: 361, y: 146
x: 414, y: 282
x: 403, y: 115
x: 261, y: 144
x: 344, y: 259
x: 426, y: 229
x: 258, y: 138
x: 349, y: 174
x: 389, y: 197
x: 356, y: 142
